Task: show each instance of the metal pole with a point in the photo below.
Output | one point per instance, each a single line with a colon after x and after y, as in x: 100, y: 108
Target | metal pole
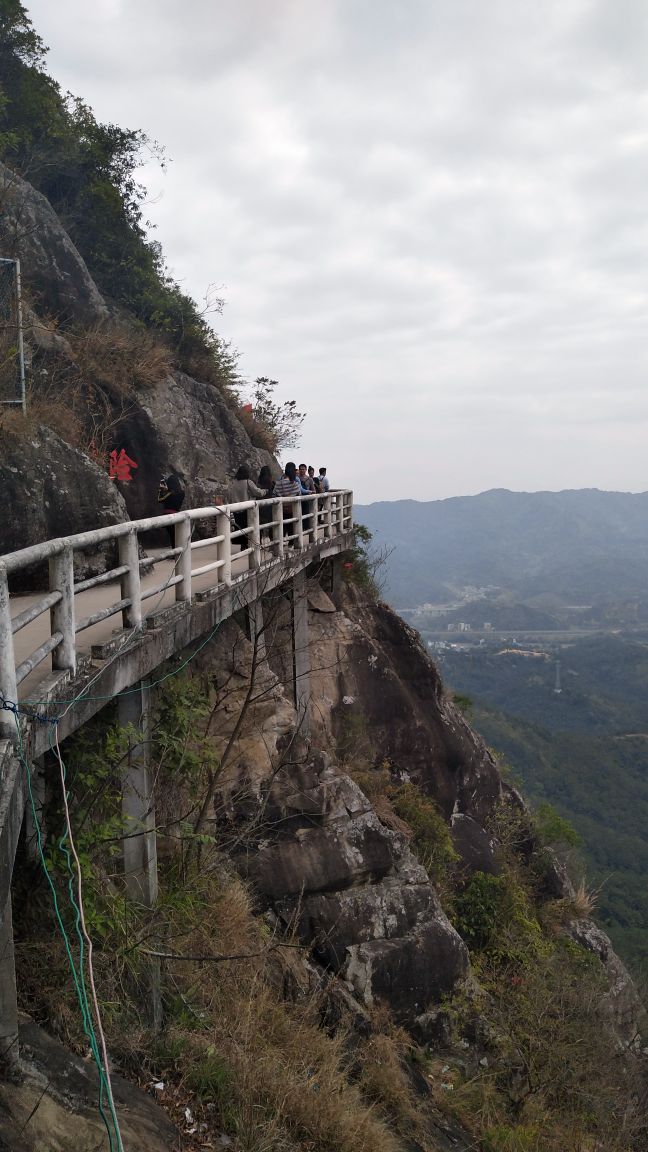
x: 21, y: 349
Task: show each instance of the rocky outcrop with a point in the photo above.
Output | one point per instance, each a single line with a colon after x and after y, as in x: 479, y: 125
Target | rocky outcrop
x: 50, y: 489
x: 181, y: 425
x: 352, y: 889
x: 178, y: 425
x: 620, y: 1007
x: 54, y: 272
x: 316, y: 851
x: 55, y: 1104
x: 379, y: 695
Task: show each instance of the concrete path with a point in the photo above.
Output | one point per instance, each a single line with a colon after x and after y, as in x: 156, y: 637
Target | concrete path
x: 86, y: 603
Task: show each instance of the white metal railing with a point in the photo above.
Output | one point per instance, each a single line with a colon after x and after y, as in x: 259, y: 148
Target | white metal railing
x: 275, y: 528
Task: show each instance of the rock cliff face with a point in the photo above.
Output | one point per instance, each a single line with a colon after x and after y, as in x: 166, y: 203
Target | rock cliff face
x: 176, y: 425
x: 319, y: 856
x: 55, y: 1105
x: 329, y: 866
x: 181, y: 425
x: 50, y: 489
x: 54, y: 273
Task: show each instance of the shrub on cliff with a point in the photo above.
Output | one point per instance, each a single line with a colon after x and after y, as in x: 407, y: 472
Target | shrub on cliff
x: 87, y: 170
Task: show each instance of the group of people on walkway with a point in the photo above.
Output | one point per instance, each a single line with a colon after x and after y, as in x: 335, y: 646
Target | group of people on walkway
x: 294, y: 481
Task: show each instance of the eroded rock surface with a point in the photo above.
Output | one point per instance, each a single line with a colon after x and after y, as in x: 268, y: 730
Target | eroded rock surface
x: 182, y: 425
x: 49, y: 490
x: 54, y: 272
x: 319, y: 855
x: 621, y: 1006
x: 55, y: 1107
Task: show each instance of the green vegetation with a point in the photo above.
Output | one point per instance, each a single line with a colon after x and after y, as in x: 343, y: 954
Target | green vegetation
x: 88, y: 172
x: 272, y: 426
x: 365, y: 563
x: 547, y: 1084
x: 430, y: 834
x: 583, y: 752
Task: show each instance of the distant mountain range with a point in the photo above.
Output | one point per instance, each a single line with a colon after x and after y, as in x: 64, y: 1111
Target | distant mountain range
x: 564, y: 547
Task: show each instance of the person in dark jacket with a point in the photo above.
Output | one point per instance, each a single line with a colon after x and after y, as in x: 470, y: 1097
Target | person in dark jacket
x: 171, y: 495
x: 266, y: 482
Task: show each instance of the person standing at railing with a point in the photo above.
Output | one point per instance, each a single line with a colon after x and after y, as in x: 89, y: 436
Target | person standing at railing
x: 171, y: 494
x: 242, y: 488
x: 325, y: 485
x: 305, y: 480
x: 266, y: 482
x: 308, y: 506
x: 288, y: 485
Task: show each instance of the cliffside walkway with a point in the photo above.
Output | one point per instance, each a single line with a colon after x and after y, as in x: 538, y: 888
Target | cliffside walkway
x: 62, y: 659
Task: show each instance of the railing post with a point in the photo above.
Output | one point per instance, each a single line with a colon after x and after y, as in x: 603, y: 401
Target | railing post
x: 225, y: 529
x: 255, y: 540
x: 310, y: 508
x: 328, y: 517
x: 130, y: 581
x: 183, y: 561
x: 300, y: 524
x: 279, y: 529
x: 8, y: 685
x: 339, y: 513
x: 61, y: 579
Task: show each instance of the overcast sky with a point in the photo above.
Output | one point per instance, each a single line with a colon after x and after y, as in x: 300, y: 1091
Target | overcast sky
x: 428, y: 218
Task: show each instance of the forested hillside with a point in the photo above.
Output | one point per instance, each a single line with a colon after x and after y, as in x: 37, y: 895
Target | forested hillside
x: 585, y: 750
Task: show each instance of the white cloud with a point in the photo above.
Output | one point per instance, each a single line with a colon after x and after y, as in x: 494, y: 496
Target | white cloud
x: 429, y: 218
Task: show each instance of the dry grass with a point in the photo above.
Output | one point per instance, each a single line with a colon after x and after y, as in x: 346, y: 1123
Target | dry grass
x: 119, y: 358
x: 268, y: 1072
x: 86, y: 401
x: 555, y: 914
x: 287, y: 1079
x: 259, y: 434
x: 583, y: 902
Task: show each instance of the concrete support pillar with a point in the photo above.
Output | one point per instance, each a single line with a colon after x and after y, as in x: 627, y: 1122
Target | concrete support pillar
x: 254, y: 628
x: 34, y: 821
x: 8, y: 1001
x: 336, y: 578
x: 138, y: 806
x: 301, y: 651
x: 138, y: 811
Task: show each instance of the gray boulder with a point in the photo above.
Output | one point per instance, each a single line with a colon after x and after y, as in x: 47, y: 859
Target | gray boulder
x: 51, y: 489
x: 54, y: 273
